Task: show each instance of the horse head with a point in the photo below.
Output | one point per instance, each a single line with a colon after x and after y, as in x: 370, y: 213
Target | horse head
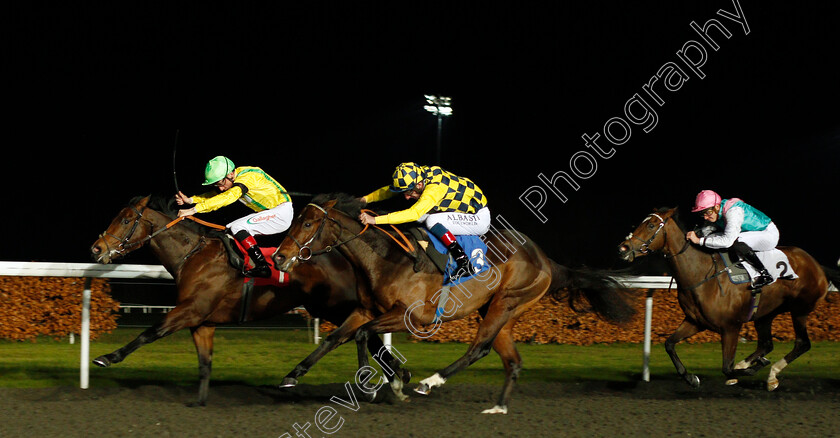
x: 316, y: 230
x: 648, y: 236
x: 131, y: 229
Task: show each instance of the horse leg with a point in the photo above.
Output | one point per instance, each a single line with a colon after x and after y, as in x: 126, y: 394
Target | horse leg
x: 686, y: 329
x: 339, y: 336
x: 391, y: 321
x: 397, y: 376
x: 729, y: 344
x: 504, y: 345
x: 800, y: 346
x: 177, y: 319
x: 764, y: 345
x: 497, y: 317
x: 203, y: 340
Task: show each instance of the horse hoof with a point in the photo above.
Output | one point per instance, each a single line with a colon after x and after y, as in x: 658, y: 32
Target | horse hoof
x: 102, y: 361
x: 772, y: 384
x: 423, y: 389
x: 405, y: 376
x: 372, y: 396
x: 288, y: 382
x: 731, y: 382
x: 693, y: 381
x: 495, y: 410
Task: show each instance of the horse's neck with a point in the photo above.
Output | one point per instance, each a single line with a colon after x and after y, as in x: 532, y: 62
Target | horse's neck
x: 689, y: 264
x: 361, y: 253
x: 172, y: 245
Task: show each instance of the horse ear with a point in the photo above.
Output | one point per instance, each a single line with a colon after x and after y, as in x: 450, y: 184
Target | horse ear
x: 330, y: 203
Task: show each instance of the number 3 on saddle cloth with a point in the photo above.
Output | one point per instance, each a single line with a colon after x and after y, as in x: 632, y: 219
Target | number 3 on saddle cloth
x: 774, y: 260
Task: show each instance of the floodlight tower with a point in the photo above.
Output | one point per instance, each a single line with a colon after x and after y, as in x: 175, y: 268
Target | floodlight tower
x: 441, y: 107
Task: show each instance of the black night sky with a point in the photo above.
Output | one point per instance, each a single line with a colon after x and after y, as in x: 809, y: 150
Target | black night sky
x: 328, y: 96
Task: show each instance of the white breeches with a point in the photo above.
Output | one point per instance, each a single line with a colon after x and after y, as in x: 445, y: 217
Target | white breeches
x: 460, y: 224
x: 272, y: 221
x: 763, y: 240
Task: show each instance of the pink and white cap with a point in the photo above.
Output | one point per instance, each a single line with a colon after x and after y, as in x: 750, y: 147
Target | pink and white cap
x: 705, y: 199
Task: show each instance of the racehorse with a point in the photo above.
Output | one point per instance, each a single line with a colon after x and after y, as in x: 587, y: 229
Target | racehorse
x: 210, y: 289
x: 711, y: 301
x: 405, y: 286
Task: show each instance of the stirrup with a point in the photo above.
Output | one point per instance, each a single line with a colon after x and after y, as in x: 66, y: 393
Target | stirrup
x: 263, y: 271
x: 462, y: 270
x: 763, y: 279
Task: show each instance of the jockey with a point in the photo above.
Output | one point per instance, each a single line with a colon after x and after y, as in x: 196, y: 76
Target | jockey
x: 745, y: 230
x: 254, y: 188
x: 447, y: 204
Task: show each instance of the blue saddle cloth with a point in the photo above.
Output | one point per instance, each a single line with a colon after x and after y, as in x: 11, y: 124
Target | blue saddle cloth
x: 475, y: 249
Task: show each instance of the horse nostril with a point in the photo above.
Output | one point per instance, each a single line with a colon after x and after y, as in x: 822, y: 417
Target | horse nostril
x: 95, y: 250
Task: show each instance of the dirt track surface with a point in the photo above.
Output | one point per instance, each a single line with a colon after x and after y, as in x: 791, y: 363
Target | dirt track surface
x: 666, y: 407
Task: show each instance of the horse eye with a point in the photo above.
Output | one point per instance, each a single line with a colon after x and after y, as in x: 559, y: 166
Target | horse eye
x: 307, y: 224
x: 126, y: 221
x: 650, y: 226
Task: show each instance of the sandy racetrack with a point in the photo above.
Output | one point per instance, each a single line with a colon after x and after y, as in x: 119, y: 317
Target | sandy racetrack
x: 663, y: 407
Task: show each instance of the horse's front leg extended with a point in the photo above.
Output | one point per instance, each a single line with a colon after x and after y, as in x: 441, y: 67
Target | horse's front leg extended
x: 339, y: 336
x: 178, y: 318
x: 685, y: 330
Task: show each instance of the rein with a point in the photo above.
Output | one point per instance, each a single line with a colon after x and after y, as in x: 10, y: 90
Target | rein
x: 644, y: 249
x: 305, y: 251
x: 645, y: 246
x: 126, y: 244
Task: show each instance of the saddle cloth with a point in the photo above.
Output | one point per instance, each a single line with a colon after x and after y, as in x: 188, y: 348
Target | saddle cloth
x: 239, y: 258
x: 473, y: 246
x: 774, y: 260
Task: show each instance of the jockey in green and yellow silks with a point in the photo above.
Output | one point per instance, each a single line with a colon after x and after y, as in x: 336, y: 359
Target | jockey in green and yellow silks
x: 254, y: 188
x: 447, y: 204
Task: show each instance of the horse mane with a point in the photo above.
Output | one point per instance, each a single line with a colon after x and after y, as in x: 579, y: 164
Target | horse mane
x: 675, y: 216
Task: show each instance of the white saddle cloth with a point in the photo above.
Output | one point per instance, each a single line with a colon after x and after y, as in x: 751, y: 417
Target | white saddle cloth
x: 776, y: 262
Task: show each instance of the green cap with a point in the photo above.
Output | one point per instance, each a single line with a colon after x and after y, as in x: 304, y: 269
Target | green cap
x: 216, y: 169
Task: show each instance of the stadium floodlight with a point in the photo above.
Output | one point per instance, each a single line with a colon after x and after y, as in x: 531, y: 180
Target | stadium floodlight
x: 441, y: 107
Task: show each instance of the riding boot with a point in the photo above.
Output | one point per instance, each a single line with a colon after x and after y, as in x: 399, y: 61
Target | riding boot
x: 261, y: 268
x: 744, y: 251
x: 462, y: 262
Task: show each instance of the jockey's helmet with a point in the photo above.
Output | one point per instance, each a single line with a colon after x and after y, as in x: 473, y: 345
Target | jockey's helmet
x: 406, y: 177
x: 216, y: 169
x: 705, y: 199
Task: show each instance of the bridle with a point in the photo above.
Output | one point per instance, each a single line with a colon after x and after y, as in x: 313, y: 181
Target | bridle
x: 644, y: 248
x: 305, y: 251
x: 125, y: 243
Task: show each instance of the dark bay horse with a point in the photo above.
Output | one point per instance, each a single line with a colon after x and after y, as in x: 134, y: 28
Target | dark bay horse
x: 406, y: 287
x: 711, y: 301
x: 210, y: 288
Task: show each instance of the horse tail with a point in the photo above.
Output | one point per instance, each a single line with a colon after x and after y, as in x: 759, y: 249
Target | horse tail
x: 833, y: 275
x: 606, y: 295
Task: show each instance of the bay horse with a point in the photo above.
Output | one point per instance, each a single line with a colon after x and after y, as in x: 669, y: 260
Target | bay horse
x: 406, y: 286
x: 210, y: 288
x: 711, y: 301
